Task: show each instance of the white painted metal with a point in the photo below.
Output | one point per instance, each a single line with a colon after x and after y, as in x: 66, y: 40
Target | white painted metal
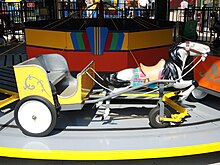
x: 198, y: 94
x: 34, y: 116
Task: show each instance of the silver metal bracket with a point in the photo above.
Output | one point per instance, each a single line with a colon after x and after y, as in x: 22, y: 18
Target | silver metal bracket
x: 160, y: 102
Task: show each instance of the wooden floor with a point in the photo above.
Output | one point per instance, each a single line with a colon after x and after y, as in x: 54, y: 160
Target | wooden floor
x: 10, y: 55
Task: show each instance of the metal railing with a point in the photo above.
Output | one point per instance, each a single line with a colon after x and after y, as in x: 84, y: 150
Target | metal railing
x: 202, y: 16
x: 12, y: 17
x: 20, y: 12
x: 121, y: 10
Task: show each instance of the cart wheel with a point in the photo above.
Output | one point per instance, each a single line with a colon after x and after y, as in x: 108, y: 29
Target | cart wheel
x: 2, y: 41
x: 35, y: 116
x: 197, y: 95
x: 154, y: 116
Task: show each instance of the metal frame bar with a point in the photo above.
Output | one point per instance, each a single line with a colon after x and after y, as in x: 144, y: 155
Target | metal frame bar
x: 13, y: 97
x: 117, y: 94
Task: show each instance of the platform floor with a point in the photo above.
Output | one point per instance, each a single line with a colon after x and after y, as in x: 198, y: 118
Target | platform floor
x: 204, y: 159
x: 125, y: 134
x: 12, y: 54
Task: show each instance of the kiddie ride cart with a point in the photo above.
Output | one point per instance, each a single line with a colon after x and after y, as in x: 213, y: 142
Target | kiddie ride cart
x: 46, y: 87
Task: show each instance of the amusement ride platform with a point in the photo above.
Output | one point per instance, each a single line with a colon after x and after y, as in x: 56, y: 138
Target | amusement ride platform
x: 125, y: 134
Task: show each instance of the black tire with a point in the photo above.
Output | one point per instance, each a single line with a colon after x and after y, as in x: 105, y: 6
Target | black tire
x: 154, y: 118
x: 3, y: 42
x: 197, y: 95
x: 48, y: 111
x: 191, y: 98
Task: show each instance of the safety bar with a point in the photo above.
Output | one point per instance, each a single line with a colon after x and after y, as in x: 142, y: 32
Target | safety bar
x: 87, y: 67
x: 114, y: 95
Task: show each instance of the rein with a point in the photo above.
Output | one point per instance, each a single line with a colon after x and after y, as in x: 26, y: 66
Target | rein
x: 188, y: 49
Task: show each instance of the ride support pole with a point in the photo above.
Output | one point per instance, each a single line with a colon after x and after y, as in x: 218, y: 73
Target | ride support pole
x: 160, y: 102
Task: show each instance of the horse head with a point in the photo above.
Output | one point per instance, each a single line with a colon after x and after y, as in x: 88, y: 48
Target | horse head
x: 179, y: 58
x: 194, y: 48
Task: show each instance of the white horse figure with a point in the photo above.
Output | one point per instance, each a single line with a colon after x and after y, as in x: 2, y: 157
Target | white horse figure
x: 172, y: 69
